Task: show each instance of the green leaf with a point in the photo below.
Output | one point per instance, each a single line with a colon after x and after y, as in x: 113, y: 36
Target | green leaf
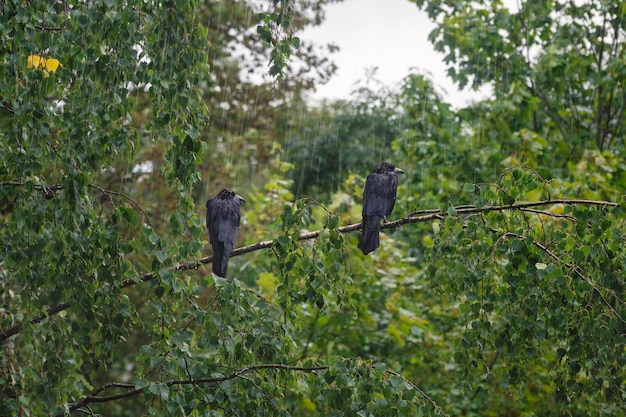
x: 264, y: 33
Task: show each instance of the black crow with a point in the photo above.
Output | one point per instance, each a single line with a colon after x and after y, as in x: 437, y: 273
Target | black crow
x: 222, y: 220
x: 379, y: 197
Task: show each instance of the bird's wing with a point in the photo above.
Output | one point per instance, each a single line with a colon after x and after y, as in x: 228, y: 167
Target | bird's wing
x: 391, y: 191
x: 229, y: 226
x: 379, y: 195
x: 212, y: 223
x: 223, y: 219
x: 373, y: 204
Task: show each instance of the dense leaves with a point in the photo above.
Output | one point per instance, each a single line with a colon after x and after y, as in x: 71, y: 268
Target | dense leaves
x: 554, y: 65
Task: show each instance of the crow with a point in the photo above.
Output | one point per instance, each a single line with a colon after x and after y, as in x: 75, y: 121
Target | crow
x: 222, y: 220
x: 379, y: 197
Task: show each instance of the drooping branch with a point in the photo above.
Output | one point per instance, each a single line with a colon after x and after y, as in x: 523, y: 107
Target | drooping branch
x: 421, y: 392
x: 49, y: 190
x: 576, y: 270
x: 414, y: 217
x: 110, y: 193
x: 132, y: 391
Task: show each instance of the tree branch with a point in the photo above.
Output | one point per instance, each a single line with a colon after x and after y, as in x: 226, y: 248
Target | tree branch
x: 414, y: 217
x: 38, y: 318
x: 123, y: 195
x: 548, y: 213
x: 49, y: 190
x: 49, y: 28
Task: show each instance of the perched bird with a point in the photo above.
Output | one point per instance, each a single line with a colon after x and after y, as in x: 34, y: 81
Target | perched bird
x: 379, y: 197
x: 222, y: 220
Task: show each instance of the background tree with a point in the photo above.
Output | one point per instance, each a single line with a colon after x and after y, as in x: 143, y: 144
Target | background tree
x: 328, y: 143
x: 554, y: 67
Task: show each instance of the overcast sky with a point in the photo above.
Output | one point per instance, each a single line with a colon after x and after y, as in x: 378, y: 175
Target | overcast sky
x: 389, y: 34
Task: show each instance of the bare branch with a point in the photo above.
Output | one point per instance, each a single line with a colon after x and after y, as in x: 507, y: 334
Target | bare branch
x: 94, y: 398
x: 411, y: 218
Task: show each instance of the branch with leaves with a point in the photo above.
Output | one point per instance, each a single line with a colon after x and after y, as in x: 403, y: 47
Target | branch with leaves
x: 132, y: 390
x: 577, y: 271
x: 48, y: 192
x: 417, y: 216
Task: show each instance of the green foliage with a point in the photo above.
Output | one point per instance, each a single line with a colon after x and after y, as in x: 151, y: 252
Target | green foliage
x: 282, y: 46
x: 555, y: 67
x: 528, y: 294
x: 65, y: 250
x: 496, y: 294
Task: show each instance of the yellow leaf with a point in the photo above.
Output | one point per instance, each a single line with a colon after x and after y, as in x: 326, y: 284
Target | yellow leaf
x: 557, y: 209
x: 307, y: 404
x: 267, y: 282
x: 34, y: 61
x: 396, y: 335
x: 52, y: 64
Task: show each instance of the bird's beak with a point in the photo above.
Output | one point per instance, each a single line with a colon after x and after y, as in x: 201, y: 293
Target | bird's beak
x: 241, y: 198
x: 399, y: 171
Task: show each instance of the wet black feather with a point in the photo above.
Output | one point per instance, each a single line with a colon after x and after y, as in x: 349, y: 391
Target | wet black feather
x: 222, y: 219
x: 379, y: 198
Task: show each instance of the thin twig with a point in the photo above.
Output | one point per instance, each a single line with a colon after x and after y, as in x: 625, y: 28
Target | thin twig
x: 419, y: 391
x: 126, y: 197
x: 49, y: 29
x: 47, y: 189
x: 549, y: 213
x: 578, y: 271
x: 131, y: 391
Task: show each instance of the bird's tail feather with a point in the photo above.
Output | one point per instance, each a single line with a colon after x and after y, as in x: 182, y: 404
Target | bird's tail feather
x: 370, y: 232
x: 218, y: 254
x: 221, y: 254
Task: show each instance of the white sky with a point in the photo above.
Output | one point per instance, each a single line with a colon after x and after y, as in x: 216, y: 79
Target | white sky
x: 389, y: 34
